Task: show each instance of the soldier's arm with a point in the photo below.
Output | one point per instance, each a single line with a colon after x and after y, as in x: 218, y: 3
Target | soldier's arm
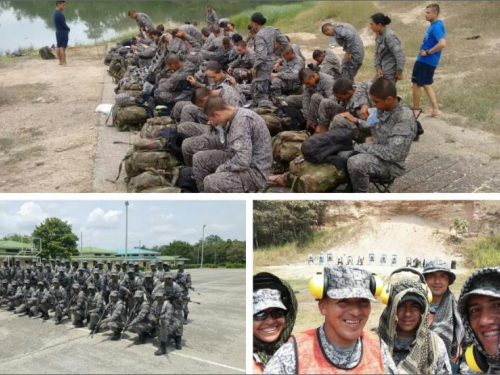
x: 241, y: 145
x: 376, y: 59
x: 195, y: 44
x: 306, y: 101
x: 260, y: 51
x: 291, y: 73
x: 397, y: 50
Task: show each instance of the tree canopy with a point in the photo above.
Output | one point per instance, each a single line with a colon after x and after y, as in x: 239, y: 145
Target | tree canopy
x: 58, y: 240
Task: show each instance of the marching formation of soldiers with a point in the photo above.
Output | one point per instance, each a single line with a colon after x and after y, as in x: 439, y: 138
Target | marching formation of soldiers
x: 153, y: 303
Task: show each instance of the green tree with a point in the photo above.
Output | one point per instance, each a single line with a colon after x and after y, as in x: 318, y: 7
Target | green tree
x: 179, y: 248
x: 24, y: 238
x: 58, y: 240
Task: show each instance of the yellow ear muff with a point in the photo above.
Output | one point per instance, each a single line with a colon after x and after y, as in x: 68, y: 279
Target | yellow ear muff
x: 386, y: 293
x: 379, y: 285
x: 317, y: 286
x: 429, y: 294
x: 471, y: 360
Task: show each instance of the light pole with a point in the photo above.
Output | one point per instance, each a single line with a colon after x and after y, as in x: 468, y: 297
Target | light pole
x: 81, y: 246
x: 126, y: 230
x: 202, y: 245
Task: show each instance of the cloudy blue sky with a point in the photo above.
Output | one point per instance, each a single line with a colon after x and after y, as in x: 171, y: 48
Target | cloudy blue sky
x: 150, y: 222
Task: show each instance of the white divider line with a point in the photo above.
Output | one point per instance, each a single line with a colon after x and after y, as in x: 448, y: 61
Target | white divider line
x: 209, y: 362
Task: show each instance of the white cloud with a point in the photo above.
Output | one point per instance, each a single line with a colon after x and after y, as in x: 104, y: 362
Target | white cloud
x: 163, y: 229
x: 104, y: 219
x: 221, y: 226
x: 188, y: 231
x: 167, y: 216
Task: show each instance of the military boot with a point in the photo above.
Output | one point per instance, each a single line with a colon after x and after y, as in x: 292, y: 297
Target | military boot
x: 185, y: 318
x: 58, y: 321
x: 78, y: 324
x: 162, y: 349
x: 141, y: 339
x: 46, y: 316
x: 116, y: 335
x: 178, y: 345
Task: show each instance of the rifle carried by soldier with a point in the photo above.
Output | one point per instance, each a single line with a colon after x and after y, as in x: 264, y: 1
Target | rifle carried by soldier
x: 96, y: 328
x: 129, y: 318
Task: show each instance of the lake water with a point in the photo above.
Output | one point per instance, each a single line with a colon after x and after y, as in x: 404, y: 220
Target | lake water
x: 28, y: 24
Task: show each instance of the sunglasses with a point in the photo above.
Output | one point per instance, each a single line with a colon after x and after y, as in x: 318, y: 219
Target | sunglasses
x: 275, y: 314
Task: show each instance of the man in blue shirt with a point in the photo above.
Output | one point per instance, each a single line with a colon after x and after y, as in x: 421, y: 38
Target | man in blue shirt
x: 428, y: 59
x: 62, y: 32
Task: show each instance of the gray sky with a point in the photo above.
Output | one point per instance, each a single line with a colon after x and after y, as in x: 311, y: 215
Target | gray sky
x: 151, y: 222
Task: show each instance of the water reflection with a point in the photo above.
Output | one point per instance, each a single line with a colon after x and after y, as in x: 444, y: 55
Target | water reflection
x: 29, y: 23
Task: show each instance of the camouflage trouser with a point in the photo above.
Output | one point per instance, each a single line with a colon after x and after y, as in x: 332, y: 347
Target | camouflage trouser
x: 246, y: 89
x: 59, y: 309
x: 35, y: 308
x: 316, y: 100
x: 328, y: 109
x: 114, y: 326
x: 340, y: 122
x: 261, y: 82
x: 192, y: 113
x: 21, y: 308
x: 350, y: 68
x: 93, y: 319
x: 142, y: 327
x: 176, y: 327
x: 205, y: 163
x: 360, y: 167
x: 237, y: 75
x: 78, y: 316
x: 14, y: 303
x: 185, y: 307
x: 278, y: 86
x: 194, y: 145
x: 164, y: 97
x: 177, y: 110
x: 192, y: 129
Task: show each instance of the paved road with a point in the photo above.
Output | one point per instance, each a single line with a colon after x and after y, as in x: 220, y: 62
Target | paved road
x: 213, y: 341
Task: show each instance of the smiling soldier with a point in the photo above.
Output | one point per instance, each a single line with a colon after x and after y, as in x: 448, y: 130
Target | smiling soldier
x: 340, y: 344
x: 443, y: 315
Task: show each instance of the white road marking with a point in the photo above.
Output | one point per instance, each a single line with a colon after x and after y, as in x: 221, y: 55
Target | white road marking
x: 209, y: 362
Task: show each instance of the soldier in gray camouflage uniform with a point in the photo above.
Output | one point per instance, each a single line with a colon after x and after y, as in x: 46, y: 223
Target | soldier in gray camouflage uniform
x: 184, y: 280
x: 286, y: 80
x: 79, y: 306
x: 141, y: 324
x: 328, y: 62
x: 143, y: 20
x: 168, y: 286
x: 350, y: 286
x: 57, y: 298
x: 265, y: 38
x: 96, y: 306
x: 350, y: 99
x: 116, y: 320
x: 317, y: 87
x: 244, y: 161
x: 36, y: 298
x: 22, y: 295
x: 389, y: 58
x: 241, y: 68
x: 211, y: 17
x: 348, y: 38
x: 384, y: 157
x: 170, y: 88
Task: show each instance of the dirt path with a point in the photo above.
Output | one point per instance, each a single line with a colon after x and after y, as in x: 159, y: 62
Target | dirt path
x: 48, y: 128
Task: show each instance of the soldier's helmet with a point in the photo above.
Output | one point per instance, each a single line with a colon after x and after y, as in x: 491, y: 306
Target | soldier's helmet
x: 100, y: 263
x: 139, y: 294
x: 158, y: 294
x: 91, y: 286
x: 76, y: 286
x: 130, y: 272
x: 114, y: 293
x: 40, y: 283
x: 27, y: 281
x: 55, y: 280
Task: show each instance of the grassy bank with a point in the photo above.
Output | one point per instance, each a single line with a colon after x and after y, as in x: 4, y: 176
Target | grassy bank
x: 322, y: 240
x: 483, y: 252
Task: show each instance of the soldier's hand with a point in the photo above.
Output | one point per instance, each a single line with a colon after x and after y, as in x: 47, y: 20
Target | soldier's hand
x: 348, y: 57
x: 254, y: 72
x: 274, y: 75
x: 363, y: 112
x: 191, y: 80
x: 380, y: 74
x: 229, y: 70
x: 244, y: 74
x: 349, y: 116
x: 320, y: 129
x: 232, y: 80
x: 399, y: 77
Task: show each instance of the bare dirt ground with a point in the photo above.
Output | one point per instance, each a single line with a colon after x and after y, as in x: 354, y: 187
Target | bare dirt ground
x: 48, y: 128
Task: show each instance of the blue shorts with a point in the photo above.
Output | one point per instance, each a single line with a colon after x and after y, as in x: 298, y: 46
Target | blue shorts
x: 62, y: 39
x: 423, y: 74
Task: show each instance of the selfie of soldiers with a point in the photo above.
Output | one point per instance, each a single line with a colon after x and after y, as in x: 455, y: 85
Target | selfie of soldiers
x: 151, y: 304
x: 424, y: 328
x: 226, y: 111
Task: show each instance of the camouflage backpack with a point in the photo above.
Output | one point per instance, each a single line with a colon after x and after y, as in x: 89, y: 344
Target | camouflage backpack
x: 315, y: 178
x: 46, y: 54
x: 147, y: 180
x: 140, y: 161
x: 150, y: 131
x: 130, y: 117
x: 286, y: 147
x: 117, y: 68
x: 110, y: 55
x: 149, y: 144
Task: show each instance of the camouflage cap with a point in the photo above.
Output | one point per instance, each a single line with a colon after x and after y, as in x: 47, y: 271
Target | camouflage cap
x: 80, y: 269
x: 26, y: 281
x: 439, y: 265
x: 153, y: 263
x: 40, y: 283
x: 114, y: 273
x: 148, y: 274
x: 166, y: 263
x: 85, y: 262
x: 485, y: 282
x: 67, y: 261
x: 348, y: 282
x: 124, y: 263
x: 117, y: 263
x: 266, y: 298
x: 168, y: 275
x: 55, y: 280
x: 96, y: 272
x: 135, y: 264
x: 130, y: 271
x: 109, y: 262
x: 76, y: 286
x: 14, y: 283
x: 114, y: 293
x: 180, y: 263
x: 91, y: 286
x: 139, y: 294
x: 158, y: 293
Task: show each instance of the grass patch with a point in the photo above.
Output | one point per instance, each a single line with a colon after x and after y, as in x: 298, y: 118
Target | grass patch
x: 323, y: 240
x: 6, y: 144
x: 483, y: 252
x: 18, y: 156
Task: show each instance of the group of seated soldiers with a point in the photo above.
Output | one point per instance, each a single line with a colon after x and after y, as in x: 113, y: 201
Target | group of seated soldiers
x: 215, y: 85
x: 148, y: 303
